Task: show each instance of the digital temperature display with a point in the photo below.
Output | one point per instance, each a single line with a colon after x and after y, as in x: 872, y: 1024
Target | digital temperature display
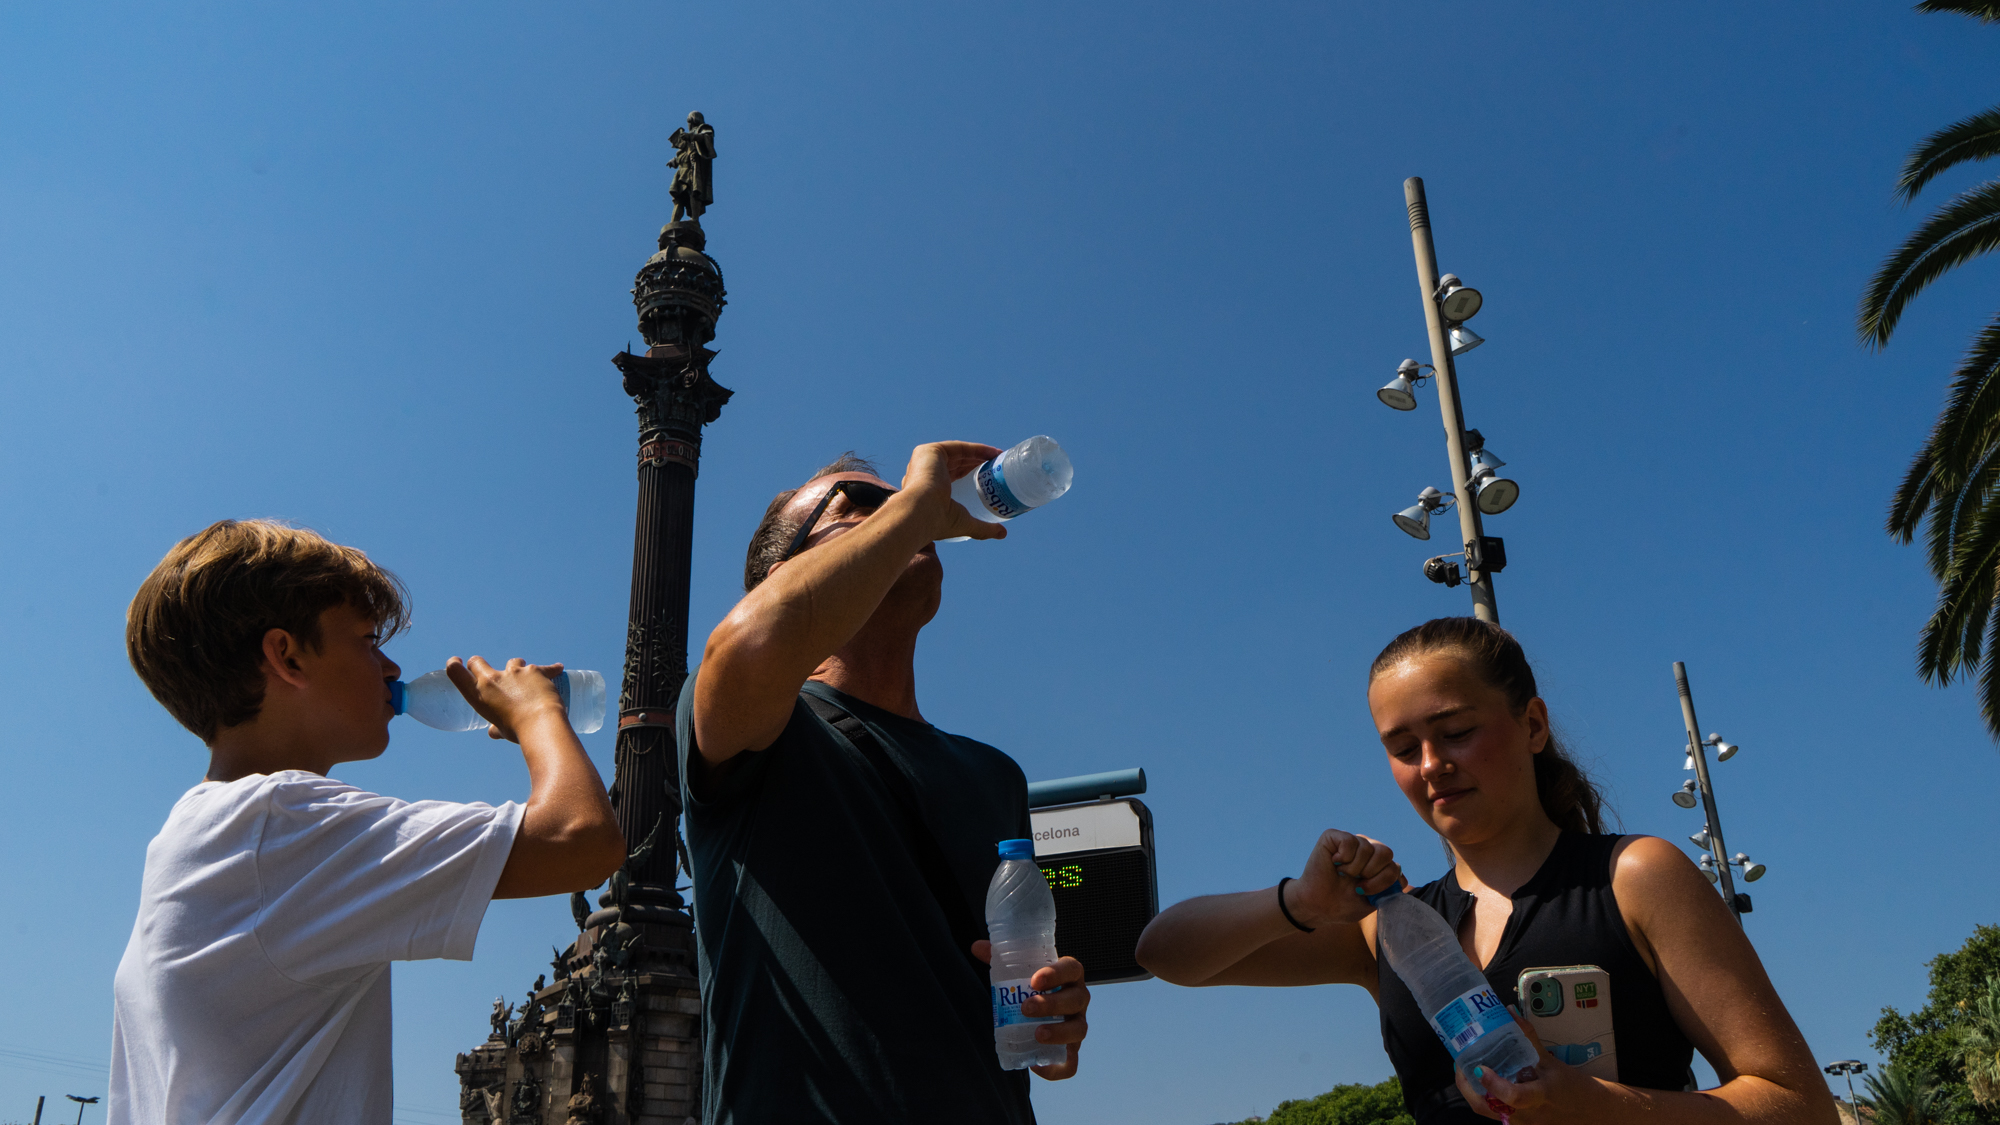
x: 1103, y: 901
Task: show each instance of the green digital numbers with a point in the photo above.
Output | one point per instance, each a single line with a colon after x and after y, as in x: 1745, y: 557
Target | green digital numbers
x: 1067, y: 877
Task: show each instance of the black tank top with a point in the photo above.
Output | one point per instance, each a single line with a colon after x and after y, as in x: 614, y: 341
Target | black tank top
x: 1565, y: 915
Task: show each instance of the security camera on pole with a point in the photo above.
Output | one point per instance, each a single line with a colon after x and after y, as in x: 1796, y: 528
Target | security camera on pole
x: 1477, y: 486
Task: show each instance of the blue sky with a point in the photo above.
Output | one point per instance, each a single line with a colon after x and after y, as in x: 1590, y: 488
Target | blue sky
x: 365, y: 269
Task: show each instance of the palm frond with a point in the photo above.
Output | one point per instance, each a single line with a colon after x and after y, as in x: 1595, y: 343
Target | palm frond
x: 1985, y: 11
x: 1963, y: 495
x: 1902, y: 1096
x: 1965, y: 557
x: 1913, y: 499
x: 1953, y: 640
x: 1961, y: 230
x: 1970, y: 422
x: 1975, y: 138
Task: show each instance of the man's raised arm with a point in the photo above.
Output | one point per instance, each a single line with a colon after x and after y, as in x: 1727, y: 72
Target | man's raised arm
x: 813, y: 604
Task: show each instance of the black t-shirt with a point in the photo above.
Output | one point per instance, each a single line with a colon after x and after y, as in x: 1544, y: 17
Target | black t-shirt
x: 831, y: 986
x: 1565, y: 915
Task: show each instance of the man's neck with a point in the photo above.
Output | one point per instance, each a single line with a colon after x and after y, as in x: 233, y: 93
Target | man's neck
x: 876, y: 670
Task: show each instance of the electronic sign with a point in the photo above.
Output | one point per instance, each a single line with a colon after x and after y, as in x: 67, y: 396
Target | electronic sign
x: 1098, y: 859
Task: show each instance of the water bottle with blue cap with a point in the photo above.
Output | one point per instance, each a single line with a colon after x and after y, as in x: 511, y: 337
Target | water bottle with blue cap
x: 1021, y: 923
x: 433, y: 700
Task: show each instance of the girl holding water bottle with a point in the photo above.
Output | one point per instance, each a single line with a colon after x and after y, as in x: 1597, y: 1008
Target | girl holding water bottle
x: 1535, y: 883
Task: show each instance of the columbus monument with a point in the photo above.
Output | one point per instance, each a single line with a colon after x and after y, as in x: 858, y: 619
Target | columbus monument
x: 615, y: 1037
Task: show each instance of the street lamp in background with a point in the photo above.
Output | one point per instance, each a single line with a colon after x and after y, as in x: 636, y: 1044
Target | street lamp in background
x: 1477, y: 488
x: 1700, y: 791
x: 1850, y: 1068
x: 80, y: 1103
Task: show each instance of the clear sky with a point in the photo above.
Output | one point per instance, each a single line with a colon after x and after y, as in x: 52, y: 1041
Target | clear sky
x: 365, y: 267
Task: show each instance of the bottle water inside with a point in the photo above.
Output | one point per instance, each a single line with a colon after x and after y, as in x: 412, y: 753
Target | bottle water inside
x: 1453, y: 994
x: 1017, y: 482
x: 433, y: 700
x: 1021, y: 923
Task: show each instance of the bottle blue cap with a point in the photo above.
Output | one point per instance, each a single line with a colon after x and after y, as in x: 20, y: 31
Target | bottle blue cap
x: 396, y: 688
x: 1376, y: 898
x: 1017, y: 849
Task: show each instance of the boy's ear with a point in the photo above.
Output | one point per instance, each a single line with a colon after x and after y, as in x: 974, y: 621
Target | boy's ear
x: 281, y: 652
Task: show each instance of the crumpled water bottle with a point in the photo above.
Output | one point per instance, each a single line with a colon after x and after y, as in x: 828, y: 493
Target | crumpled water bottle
x: 1450, y: 990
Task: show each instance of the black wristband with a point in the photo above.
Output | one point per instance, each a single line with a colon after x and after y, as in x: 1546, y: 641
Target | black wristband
x: 1296, y: 924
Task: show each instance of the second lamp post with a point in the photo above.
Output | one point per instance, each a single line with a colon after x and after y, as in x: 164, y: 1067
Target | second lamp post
x: 1476, y: 484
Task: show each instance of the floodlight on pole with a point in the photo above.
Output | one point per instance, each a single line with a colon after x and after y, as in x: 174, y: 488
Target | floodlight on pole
x: 1415, y: 520
x: 1723, y: 750
x: 1850, y: 1068
x: 1751, y: 871
x: 1457, y: 302
x: 1708, y: 867
x: 1700, y: 839
x: 1399, y: 393
x: 1684, y: 796
x: 1464, y: 339
x: 1492, y: 492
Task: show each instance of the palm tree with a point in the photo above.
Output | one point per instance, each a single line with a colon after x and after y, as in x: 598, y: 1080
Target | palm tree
x: 1977, y: 1040
x: 1954, y: 482
x: 1901, y: 1096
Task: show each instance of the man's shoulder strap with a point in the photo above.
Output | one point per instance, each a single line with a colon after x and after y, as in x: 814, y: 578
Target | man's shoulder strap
x: 944, y: 886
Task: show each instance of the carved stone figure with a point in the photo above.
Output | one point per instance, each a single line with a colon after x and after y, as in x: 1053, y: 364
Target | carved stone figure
x: 502, y: 1011
x: 615, y: 946
x: 541, y: 982
x: 496, y: 1102
x: 694, y: 187
x: 560, y: 964
x: 527, y: 1096
x: 583, y: 1106
x: 579, y: 908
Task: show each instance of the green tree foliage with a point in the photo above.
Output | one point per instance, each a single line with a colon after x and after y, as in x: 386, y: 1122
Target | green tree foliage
x: 1348, y: 1104
x: 1952, y: 489
x: 1901, y: 1096
x: 1929, y: 1040
x: 1978, y: 1043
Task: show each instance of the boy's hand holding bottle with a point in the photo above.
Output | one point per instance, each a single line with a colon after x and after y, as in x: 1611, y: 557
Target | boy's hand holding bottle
x: 511, y: 697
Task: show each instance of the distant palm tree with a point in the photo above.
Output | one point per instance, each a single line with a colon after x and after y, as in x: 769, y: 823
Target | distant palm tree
x: 1954, y: 482
x: 1902, y: 1096
x: 1978, y: 1042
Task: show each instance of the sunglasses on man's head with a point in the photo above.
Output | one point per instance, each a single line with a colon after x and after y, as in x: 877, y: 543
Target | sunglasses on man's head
x: 860, y: 493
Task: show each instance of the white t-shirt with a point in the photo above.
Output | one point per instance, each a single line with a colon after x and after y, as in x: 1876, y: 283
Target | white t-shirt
x: 255, y: 988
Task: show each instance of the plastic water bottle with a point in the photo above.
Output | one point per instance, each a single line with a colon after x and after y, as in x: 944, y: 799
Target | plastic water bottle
x: 433, y: 700
x: 1021, y: 922
x: 1453, y: 994
x: 1017, y: 482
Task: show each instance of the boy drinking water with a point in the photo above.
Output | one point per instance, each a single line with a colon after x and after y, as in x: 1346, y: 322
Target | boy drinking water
x: 256, y: 984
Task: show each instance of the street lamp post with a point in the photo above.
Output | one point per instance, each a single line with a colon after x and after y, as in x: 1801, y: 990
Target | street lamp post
x: 80, y: 1103
x: 1850, y: 1068
x: 1478, y: 576
x: 1717, y: 863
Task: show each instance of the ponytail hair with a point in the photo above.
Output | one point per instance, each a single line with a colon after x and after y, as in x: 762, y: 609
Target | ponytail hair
x: 1567, y: 794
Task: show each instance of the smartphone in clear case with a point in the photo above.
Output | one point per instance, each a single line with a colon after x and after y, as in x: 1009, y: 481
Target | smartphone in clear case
x: 1570, y: 1008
